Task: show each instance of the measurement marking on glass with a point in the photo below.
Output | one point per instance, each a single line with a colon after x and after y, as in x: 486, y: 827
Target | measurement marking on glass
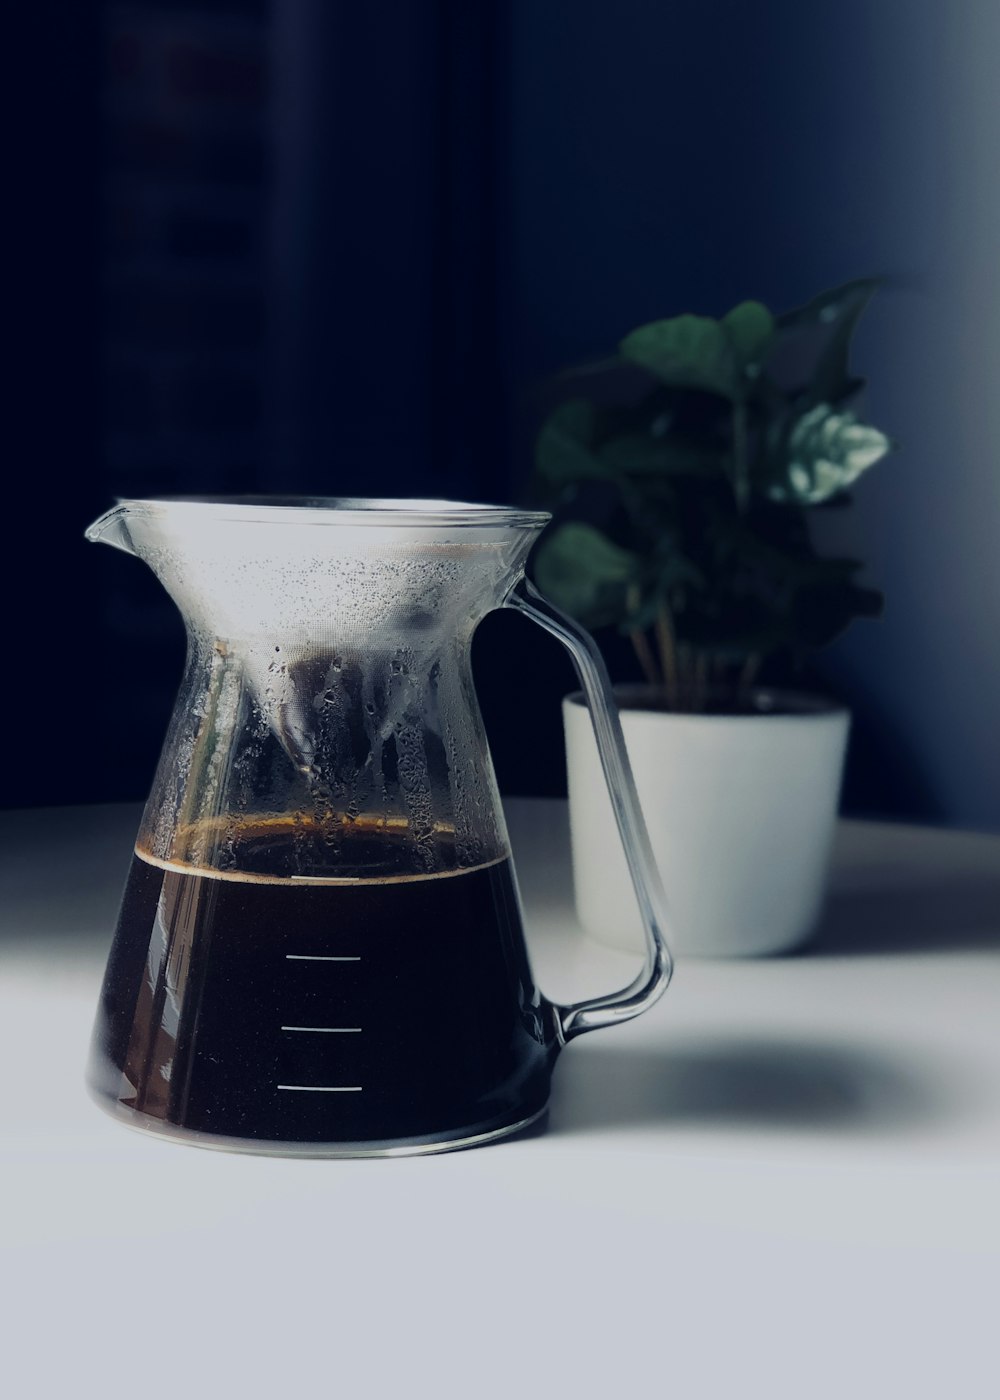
x: 326, y: 1030
x: 323, y: 1088
x: 316, y: 957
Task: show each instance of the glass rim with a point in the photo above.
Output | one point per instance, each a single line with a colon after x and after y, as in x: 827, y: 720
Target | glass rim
x: 341, y: 510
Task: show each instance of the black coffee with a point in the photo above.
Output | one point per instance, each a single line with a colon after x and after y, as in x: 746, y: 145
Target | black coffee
x: 395, y: 1008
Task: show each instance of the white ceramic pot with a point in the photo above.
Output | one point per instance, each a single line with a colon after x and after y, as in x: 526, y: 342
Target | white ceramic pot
x: 740, y: 810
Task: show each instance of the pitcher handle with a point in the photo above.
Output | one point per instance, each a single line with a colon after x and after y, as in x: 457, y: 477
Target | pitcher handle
x: 652, y: 981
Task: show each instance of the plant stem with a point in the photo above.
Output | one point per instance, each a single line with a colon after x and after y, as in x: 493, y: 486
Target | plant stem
x: 748, y: 674
x: 740, y: 463
x: 666, y: 641
x: 644, y: 652
x: 700, y: 682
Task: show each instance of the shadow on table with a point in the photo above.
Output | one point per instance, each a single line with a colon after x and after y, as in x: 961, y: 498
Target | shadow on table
x: 61, y: 880
x: 751, y: 1084
x: 959, y: 914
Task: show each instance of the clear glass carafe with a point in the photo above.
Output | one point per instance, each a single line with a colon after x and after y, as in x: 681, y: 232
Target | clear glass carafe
x: 320, y: 946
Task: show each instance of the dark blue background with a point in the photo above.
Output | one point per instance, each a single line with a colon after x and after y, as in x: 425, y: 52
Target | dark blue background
x: 343, y: 248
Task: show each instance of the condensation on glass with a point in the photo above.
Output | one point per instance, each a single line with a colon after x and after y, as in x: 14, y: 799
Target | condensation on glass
x: 320, y: 947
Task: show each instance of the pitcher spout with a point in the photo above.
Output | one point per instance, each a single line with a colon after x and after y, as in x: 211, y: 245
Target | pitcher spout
x: 112, y: 528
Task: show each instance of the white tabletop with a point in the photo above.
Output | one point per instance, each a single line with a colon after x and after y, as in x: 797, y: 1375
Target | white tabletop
x: 782, y: 1181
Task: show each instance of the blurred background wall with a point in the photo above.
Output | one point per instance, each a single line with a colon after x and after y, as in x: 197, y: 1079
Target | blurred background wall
x: 330, y: 247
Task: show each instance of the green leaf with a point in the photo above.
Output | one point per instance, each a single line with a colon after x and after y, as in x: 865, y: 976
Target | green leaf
x: 642, y: 454
x: 750, y: 328
x: 676, y: 571
x: 562, y: 452
x: 823, y: 612
x: 833, y: 304
x: 687, y: 352
x: 585, y: 573
x: 836, y: 313
x: 671, y: 581
x: 822, y: 454
x: 736, y: 639
x: 790, y: 562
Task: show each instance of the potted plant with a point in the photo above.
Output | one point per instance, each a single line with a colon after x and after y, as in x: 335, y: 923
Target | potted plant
x: 682, y: 476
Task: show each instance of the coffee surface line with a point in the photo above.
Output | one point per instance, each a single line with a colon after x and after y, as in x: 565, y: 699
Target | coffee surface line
x: 292, y: 881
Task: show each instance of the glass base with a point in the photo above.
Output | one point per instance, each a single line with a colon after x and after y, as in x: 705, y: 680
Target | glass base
x: 474, y: 1136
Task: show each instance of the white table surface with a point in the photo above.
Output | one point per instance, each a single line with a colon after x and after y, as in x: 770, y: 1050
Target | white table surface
x: 782, y: 1181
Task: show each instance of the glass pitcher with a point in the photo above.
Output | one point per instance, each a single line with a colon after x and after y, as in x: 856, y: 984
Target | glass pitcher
x: 320, y: 947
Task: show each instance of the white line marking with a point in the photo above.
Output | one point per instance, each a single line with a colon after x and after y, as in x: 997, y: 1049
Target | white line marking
x: 323, y: 1088
x: 327, y: 1030
x: 314, y: 957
